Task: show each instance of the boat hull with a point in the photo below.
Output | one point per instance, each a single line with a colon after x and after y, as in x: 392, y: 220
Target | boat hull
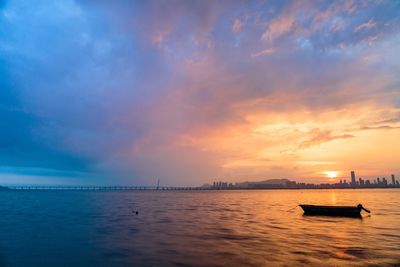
x: 346, y: 211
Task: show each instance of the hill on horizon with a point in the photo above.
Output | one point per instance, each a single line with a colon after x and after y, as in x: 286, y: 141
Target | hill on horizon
x: 265, y: 182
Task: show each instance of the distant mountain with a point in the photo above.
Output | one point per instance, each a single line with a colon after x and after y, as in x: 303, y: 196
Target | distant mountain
x: 266, y: 183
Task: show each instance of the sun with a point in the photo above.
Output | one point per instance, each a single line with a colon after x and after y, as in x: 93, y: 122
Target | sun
x: 331, y: 174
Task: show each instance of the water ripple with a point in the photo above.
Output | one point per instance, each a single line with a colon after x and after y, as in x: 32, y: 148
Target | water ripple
x: 211, y: 228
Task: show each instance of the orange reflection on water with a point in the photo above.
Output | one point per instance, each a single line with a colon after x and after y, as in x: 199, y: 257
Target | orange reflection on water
x: 333, y: 197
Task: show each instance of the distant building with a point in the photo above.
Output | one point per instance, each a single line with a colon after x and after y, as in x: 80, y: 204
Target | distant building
x: 379, y: 182
x: 291, y: 184
x: 353, y: 178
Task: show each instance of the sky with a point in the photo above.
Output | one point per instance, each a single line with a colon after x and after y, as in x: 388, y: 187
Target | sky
x: 189, y: 92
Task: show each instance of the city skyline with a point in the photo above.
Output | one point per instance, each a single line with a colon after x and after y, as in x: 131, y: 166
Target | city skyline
x: 353, y: 182
x: 128, y: 92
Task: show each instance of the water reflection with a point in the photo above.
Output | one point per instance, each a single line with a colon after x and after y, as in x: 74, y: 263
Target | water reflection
x: 333, y: 197
x: 217, y: 228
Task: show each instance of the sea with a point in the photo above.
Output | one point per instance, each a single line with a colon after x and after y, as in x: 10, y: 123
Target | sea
x: 197, y: 228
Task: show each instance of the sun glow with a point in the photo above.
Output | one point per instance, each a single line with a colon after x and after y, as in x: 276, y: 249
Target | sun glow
x: 331, y: 174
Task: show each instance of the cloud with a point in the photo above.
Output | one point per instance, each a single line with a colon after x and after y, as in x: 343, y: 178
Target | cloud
x: 385, y: 127
x: 318, y: 137
x: 366, y: 26
x: 139, y: 90
x: 237, y: 25
x: 278, y: 27
x: 264, y: 52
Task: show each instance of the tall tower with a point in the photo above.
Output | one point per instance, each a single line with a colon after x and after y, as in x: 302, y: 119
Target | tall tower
x: 393, y: 180
x: 353, y: 178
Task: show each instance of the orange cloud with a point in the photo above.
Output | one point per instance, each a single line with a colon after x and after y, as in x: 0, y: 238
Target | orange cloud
x: 319, y: 137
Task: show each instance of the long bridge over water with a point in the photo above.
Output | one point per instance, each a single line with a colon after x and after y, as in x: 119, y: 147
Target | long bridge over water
x: 102, y: 188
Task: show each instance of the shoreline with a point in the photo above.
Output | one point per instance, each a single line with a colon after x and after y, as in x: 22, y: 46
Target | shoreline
x: 144, y: 188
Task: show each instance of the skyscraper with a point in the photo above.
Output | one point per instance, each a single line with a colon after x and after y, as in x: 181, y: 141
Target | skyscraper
x: 393, y: 180
x: 353, y: 178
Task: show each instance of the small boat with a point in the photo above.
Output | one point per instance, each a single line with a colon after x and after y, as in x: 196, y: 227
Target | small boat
x: 347, y: 211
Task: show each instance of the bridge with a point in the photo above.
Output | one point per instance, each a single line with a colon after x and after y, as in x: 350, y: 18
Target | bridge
x: 103, y: 188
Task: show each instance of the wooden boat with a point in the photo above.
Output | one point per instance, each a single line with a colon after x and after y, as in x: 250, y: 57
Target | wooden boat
x: 348, y: 211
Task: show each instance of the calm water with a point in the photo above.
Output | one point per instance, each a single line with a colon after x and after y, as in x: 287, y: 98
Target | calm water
x: 209, y: 228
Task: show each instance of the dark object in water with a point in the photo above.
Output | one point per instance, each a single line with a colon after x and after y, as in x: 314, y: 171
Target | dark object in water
x: 348, y: 211
x: 136, y: 212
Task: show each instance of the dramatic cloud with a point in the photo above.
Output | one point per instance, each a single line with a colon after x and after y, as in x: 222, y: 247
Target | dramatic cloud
x: 191, y: 91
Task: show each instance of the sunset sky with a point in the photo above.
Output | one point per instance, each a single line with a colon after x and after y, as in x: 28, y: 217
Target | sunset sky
x: 188, y: 92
